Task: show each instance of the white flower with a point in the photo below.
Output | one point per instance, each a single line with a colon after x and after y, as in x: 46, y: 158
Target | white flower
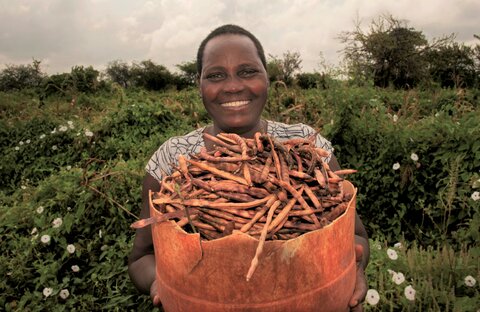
x: 395, y: 118
x: 396, y: 166
x: 45, y: 238
x: 392, y: 254
x: 437, y: 114
x: 398, y: 245
x: 21, y: 142
x: 75, y: 268
x: 17, y: 148
x: 410, y: 293
x: 69, y: 167
x: 69, y: 208
x: 398, y: 278
x: 54, y: 147
x: 71, y: 248
x: 414, y: 157
x: 470, y: 281
x: 476, y: 184
x: 53, y: 131
x: 40, y: 209
x: 63, y: 128
x: 88, y: 133
x: 70, y: 123
x: 34, y: 230
x: 23, y: 187
x: 78, y: 133
x: 64, y: 293
x: 47, y: 291
x: 57, y: 222
x: 372, y: 297
x: 475, y: 195
x: 28, y: 141
x: 100, y: 233
x: 42, y: 136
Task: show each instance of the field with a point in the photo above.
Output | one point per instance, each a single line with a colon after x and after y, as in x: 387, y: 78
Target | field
x: 72, y: 167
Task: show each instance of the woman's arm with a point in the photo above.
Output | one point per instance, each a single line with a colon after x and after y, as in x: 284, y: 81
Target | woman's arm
x: 141, y: 262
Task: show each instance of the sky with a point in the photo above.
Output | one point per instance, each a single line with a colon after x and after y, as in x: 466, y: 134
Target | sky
x: 65, y: 33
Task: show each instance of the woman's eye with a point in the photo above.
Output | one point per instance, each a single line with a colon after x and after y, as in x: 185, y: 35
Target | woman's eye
x: 248, y: 72
x: 215, y: 76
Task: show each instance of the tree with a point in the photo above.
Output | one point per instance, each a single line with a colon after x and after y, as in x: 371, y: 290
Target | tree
x: 389, y: 53
x: 189, y: 72
x: 85, y: 79
x: 58, y: 84
x: 119, y: 72
x: 18, y: 77
x: 151, y: 76
x: 453, y: 65
x: 284, y: 69
x: 311, y: 80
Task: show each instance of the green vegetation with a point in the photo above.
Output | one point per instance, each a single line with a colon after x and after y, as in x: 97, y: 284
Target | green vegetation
x: 80, y: 160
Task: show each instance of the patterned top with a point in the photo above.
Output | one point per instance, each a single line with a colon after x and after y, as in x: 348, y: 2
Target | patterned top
x: 160, y: 163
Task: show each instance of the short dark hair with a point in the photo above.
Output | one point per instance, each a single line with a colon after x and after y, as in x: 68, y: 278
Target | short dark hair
x: 229, y: 29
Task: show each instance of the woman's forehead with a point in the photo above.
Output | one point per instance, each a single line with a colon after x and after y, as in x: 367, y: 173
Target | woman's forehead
x: 230, y: 45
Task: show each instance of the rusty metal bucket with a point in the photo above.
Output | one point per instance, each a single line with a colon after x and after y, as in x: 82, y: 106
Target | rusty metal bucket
x: 313, y: 272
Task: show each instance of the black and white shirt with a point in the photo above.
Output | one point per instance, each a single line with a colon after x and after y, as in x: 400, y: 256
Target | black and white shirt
x: 160, y: 163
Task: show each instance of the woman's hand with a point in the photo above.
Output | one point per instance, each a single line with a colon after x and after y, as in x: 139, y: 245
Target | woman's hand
x: 360, y: 283
x: 154, y: 294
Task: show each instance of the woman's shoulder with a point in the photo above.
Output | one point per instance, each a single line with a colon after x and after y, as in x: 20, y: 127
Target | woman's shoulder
x: 167, y: 154
x: 285, y: 131
x: 185, y: 142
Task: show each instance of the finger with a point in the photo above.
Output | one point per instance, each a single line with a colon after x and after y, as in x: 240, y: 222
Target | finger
x: 156, y: 301
x: 358, y: 252
x: 360, y: 291
x: 355, y: 300
x: 357, y: 308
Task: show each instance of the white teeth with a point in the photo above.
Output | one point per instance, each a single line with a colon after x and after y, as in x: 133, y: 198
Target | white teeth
x: 235, y: 104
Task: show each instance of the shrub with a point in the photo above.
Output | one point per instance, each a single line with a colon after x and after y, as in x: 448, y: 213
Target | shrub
x: 18, y: 77
x: 91, y: 182
x: 311, y: 81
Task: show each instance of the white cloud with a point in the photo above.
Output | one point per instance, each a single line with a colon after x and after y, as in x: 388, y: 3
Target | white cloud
x: 68, y: 33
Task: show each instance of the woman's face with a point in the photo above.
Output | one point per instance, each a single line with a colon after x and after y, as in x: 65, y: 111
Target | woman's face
x: 233, y: 84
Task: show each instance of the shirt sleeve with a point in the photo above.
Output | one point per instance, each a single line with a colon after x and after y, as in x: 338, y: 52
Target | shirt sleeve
x: 159, y: 163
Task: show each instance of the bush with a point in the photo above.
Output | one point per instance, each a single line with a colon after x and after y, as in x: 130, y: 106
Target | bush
x: 425, y: 198
x: 91, y: 181
x: 18, y: 77
x: 311, y: 81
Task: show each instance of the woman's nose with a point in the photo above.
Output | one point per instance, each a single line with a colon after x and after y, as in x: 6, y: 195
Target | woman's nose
x: 233, y: 85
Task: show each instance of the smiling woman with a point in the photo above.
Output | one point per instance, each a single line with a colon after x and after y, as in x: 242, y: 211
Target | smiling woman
x: 233, y: 85
x: 234, y: 88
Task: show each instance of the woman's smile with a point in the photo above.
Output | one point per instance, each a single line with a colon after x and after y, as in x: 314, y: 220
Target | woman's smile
x: 235, y: 104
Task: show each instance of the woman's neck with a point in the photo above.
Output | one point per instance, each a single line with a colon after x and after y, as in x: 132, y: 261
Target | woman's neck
x: 260, y: 127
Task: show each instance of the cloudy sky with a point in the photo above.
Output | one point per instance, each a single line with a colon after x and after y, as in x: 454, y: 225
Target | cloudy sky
x: 64, y: 33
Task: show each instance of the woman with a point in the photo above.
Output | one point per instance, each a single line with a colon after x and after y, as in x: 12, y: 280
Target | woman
x: 234, y: 88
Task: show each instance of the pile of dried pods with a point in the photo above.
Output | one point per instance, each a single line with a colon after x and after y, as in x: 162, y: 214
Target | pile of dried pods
x: 267, y: 188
